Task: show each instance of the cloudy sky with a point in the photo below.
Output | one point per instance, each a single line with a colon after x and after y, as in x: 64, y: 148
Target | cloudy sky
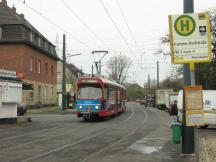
x: 130, y: 27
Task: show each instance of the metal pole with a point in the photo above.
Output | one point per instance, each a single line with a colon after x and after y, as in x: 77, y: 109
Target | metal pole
x: 187, y: 132
x: 99, y: 67
x: 148, y: 85
x: 196, y: 138
x: 92, y: 70
x: 63, y: 77
x: 157, y: 74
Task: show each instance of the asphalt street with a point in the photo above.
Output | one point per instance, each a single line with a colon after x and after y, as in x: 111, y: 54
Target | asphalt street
x: 138, y: 135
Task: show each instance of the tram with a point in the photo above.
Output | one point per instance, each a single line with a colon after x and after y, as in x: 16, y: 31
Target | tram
x: 99, y: 97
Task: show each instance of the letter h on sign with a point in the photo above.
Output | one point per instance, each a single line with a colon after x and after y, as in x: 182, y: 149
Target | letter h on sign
x: 185, y: 25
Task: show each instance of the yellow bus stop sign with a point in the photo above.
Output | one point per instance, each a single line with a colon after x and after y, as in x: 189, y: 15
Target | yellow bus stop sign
x: 185, y: 25
x: 190, y: 38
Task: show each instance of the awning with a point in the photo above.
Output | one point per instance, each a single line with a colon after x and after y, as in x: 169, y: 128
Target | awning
x: 27, y: 86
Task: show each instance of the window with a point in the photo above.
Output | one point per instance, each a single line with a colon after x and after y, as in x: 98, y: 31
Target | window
x: 52, y: 49
x: 46, y: 45
x: 31, y: 64
x: 31, y: 36
x: 35, y: 65
x: 39, y: 92
x: 35, y: 39
x: 39, y: 66
x: 1, y: 31
x: 52, y: 70
x: 51, y: 93
x: 45, y: 92
x: 112, y: 95
x: 39, y: 42
x: 90, y: 91
x: 106, y: 92
x: 46, y: 68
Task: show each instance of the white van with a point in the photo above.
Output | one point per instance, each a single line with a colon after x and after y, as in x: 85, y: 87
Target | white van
x: 209, y: 106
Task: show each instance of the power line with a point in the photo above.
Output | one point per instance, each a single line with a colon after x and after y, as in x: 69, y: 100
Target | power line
x: 84, y: 24
x: 129, y: 29
x: 113, y: 22
x: 53, y: 23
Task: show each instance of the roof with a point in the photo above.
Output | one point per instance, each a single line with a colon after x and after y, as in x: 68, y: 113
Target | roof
x: 9, y: 16
x: 106, y: 81
x: 111, y: 82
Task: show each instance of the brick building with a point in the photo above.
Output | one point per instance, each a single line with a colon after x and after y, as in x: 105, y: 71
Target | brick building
x: 26, y: 50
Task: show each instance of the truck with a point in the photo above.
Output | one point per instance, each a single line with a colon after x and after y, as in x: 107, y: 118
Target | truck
x: 209, y: 107
x: 170, y: 97
x: 160, y: 98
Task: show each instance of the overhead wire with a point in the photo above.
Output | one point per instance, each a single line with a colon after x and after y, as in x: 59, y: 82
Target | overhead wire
x: 84, y: 24
x: 128, y: 27
x: 53, y: 23
x: 115, y: 25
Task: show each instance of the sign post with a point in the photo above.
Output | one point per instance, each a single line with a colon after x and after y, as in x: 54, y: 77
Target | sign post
x: 190, y: 43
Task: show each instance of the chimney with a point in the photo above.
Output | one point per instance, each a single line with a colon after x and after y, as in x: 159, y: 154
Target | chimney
x: 22, y: 16
x: 4, y: 2
x: 14, y: 9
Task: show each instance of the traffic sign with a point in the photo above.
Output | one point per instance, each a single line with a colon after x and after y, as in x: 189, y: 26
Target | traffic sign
x: 190, y: 38
x: 193, y: 98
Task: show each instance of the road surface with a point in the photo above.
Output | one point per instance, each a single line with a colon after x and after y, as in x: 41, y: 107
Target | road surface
x: 139, y: 134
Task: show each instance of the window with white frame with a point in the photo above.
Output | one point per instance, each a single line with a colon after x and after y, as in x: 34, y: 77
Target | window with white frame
x: 51, y: 93
x: 45, y: 92
x: 39, y: 66
x: 31, y: 36
x: 39, y: 42
x: 1, y: 31
x: 31, y: 64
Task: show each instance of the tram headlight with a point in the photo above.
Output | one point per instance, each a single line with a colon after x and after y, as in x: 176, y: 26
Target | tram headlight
x: 80, y: 106
x: 97, y: 107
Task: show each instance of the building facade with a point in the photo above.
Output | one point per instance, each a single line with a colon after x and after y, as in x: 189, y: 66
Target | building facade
x: 72, y: 73
x: 26, y: 50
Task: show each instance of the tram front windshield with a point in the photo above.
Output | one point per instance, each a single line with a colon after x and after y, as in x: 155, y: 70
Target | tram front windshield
x: 89, y: 91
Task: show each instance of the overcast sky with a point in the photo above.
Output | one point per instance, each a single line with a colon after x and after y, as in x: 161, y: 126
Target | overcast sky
x: 88, y: 27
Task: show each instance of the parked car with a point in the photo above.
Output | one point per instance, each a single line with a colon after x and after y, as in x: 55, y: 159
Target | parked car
x: 21, y: 110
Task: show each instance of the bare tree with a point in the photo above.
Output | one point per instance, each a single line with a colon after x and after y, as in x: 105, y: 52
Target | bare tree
x: 118, y: 68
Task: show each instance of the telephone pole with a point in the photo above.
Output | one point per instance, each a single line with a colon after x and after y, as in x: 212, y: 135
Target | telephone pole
x: 158, y: 75
x: 188, y: 146
x: 63, y: 77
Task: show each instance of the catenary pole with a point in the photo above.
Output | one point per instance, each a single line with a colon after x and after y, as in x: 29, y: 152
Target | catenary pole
x: 157, y: 74
x: 187, y: 132
x: 63, y: 76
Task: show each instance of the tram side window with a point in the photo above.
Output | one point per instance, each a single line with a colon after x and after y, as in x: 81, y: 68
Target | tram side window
x: 119, y: 96
x: 112, y: 95
x: 106, y: 92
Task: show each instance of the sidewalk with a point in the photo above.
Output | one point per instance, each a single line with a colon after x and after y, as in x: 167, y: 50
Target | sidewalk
x: 50, y: 110
x: 208, y: 149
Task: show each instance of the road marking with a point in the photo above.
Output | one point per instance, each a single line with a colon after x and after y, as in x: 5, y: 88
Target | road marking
x: 12, y: 137
x: 76, y: 142
x: 118, y: 141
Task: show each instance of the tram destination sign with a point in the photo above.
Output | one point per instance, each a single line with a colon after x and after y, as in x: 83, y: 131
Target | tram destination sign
x: 190, y: 38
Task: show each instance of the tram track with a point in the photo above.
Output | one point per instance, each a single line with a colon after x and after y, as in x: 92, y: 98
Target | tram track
x: 57, y: 149
x: 118, y: 141
x: 20, y: 145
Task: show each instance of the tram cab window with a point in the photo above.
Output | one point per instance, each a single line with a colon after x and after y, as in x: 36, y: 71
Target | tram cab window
x: 90, y: 91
